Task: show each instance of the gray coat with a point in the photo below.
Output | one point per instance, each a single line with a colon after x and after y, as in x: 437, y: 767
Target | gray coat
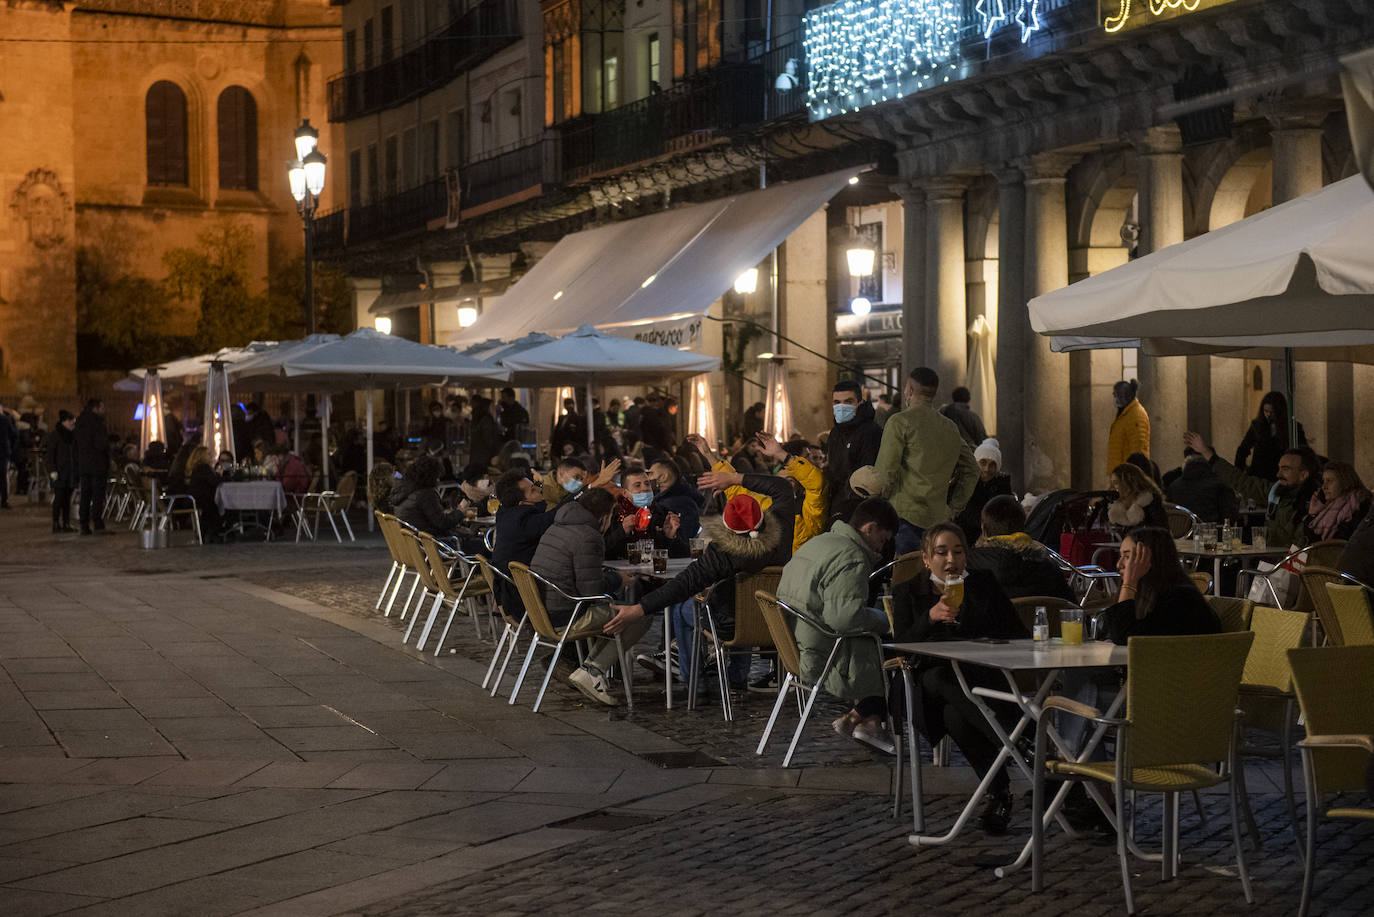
x: 570, y: 555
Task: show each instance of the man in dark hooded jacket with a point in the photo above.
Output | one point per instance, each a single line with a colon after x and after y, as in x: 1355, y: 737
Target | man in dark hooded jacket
x: 1200, y: 490
x: 1020, y: 565
x: 92, y: 464
x: 853, y: 443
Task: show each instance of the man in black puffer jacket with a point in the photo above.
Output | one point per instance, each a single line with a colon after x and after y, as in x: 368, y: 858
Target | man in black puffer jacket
x: 570, y: 556
x: 745, y: 539
x: 853, y: 443
x: 1019, y: 564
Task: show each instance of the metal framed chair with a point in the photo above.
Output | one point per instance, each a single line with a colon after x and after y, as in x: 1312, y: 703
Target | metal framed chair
x: 398, y: 568
x: 775, y: 613
x: 1267, y: 699
x: 329, y: 503
x: 510, y: 635
x: 1181, y: 520
x: 471, y: 589
x: 529, y: 584
x: 1087, y: 577
x: 1335, y: 688
x: 180, y: 505
x: 1180, y: 722
x: 751, y: 631
x: 1315, y: 580
x: 899, y: 570
x: 1351, y: 614
x: 1202, y: 580
x: 1233, y: 613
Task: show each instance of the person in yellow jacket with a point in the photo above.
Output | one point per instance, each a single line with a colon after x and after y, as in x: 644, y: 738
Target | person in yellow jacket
x: 1130, y: 432
x: 810, y: 522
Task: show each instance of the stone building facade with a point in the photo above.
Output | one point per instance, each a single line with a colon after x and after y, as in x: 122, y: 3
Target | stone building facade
x: 132, y: 128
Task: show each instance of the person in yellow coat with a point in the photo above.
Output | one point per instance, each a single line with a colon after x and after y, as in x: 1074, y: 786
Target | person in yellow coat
x: 1130, y: 432
x: 815, y: 502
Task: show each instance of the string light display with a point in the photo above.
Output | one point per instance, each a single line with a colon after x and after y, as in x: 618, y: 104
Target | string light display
x: 862, y: 53
x: 994, y: 14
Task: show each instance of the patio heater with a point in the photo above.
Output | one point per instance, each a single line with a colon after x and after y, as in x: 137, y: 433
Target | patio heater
x: 701, y: 417
x: 217, y: 421
x: 152, y: 408
x: 777, y: 417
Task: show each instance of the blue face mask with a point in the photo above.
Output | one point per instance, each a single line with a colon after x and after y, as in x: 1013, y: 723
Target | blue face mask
x: 845, y: 413
x: 572, y: 486
x: 644, y: 499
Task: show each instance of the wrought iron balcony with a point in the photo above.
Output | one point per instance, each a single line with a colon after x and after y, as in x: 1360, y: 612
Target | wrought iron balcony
x: 406, y: 211
x: 509, y: 172
x: 467, y: 41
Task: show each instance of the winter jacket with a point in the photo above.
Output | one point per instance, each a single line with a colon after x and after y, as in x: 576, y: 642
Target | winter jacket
x: 986, y: 612
x: 259, y: 427
x: 1146, y: 511
x: 1179, y: 610
x: 202, y: 485
x: 1285, y: 507
x: 421, y: 508
x: 569, y: 556
x: 927, y: 469
x: 92, y: 443
x: 293, y: 475
x: 1263, y: 447
x: 483, y: 444
x: 518, y: 530
x: 1358, y: 559
x: 969, y: 423
x: 852, y: 445
x: 1130, y: 433
x: 1203, y: 493
x: 971, y: 519
x: 9, y: 438
x: 62, y: 456
x: 811, y: 520
x: 681, y: 499
x: 827, y: 579
x: 1020, y: 566
x: 729, y: 554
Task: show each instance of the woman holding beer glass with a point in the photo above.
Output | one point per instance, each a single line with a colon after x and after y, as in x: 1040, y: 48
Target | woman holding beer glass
x: 952, y: 602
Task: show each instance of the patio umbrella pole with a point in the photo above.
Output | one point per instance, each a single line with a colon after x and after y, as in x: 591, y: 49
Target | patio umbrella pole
x: 370, y: 518
x: 1289, y: 383
x: 296, y: 421
x: 591, y: 442
x: 324, y: 444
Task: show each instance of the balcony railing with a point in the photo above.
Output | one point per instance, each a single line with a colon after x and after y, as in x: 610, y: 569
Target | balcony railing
x: 509, y: 172
x: 438, y: 58
x: 406, y: 211
x: 719, y: 99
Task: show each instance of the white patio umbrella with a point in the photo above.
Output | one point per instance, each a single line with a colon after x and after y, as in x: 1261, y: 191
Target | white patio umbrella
x: 590, y: 356
x: 192, y: 371
x: 1295, y: 282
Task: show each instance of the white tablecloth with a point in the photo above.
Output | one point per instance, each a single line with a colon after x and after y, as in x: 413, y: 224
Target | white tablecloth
x: 251, y: 495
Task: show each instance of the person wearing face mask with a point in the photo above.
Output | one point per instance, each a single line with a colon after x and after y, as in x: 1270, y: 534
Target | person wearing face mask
x: 570, y: 555
x: 640, y: 513
x: 922, y: 612
x: 854, y: 442
x: 571, y: 478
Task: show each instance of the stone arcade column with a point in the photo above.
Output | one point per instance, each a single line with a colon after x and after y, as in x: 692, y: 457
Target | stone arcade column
x: 1046, y: 374
x: 1322, y: 392
x: 1013, y: 322
x: 1163, y: 380
x: 946, y: 297
x: 913, y: 276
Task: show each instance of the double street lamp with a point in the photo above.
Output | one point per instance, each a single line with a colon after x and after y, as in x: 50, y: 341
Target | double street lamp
x: 306, y: 175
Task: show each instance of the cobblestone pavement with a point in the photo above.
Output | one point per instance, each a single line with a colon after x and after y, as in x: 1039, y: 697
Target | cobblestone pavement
x: 234, y: 729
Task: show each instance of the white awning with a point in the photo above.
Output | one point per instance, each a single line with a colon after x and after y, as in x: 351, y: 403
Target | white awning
x: 388, y: 303
x: 668, y: 265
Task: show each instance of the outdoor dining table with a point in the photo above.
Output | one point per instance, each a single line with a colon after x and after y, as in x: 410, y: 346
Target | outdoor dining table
x: 252, y: 497
x: 646, y: 571
x: 1019, y: 661
x: 1191, y: 548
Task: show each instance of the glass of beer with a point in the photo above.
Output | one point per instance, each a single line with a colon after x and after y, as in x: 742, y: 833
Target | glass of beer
x: 954, y: 593
x: 493, y: 505
x: 1071, y: 626
x: 661, y: 560
x: 632, y: 552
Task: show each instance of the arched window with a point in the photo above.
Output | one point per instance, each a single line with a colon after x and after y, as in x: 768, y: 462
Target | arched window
x: 165, y: 114
x: 238, y: 139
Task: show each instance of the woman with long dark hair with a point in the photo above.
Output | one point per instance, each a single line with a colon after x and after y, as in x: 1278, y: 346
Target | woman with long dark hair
x: 1267, y: 438
x: 1157, y: 598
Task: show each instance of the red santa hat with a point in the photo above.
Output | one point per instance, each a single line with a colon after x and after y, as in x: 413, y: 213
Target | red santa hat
x: 743, y: 515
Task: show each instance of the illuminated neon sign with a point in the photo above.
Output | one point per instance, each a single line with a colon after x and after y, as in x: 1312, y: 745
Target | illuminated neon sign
x: 1124, y: 15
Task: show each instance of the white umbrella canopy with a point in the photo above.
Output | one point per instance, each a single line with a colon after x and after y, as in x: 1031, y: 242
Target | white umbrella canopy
x: 1298, y: 277
x: 495, y: 351
x: 192, y: 371
x: 265, y: 368
x: 368, y: 356
x: 589, y: 355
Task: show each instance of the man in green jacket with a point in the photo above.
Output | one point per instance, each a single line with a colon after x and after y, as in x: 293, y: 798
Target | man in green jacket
x: 1285, y: 500
x: 926, y: 468
x: 827, y: 580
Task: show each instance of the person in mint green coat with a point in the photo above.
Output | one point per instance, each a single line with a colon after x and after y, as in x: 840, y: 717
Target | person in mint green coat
x: 827, y: 580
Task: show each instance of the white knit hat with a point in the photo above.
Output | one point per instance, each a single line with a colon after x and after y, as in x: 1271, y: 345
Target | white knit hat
x: 989, y: 449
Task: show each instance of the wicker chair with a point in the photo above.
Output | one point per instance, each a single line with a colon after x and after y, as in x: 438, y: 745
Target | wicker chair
x: 1267, y: 699
x: 528, y: 583
x: 439, y: 574
x: 1350, y: 614
x: 1181, y: 519
x: 900, y: 570
x: 750, y: 631
x: 1315, y: 579
x: 775, y: 613
x: 1335, y: 688
x: 1180, y: 721
x: 1202, y: 580
x: 330, y: 503
x: 1233, y: 613
x: 391, y: 530
x: 510, y: 636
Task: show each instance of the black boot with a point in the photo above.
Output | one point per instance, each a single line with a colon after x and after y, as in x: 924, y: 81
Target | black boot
x: 996, y: 813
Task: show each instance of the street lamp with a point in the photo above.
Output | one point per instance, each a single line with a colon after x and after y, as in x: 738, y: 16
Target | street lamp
x: 306, y: 175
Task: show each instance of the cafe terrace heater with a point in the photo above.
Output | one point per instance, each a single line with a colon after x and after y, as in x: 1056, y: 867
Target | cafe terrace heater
x: 218, y: 420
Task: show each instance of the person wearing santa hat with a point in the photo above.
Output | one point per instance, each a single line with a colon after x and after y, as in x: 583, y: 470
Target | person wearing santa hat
x: 745, y: 539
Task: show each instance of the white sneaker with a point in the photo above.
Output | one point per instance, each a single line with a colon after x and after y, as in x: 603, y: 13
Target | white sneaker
x: 876, y: 736
x: 593, y: 685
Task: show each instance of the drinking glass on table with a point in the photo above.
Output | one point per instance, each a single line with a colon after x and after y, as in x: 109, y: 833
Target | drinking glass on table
x: 1071, y: 626
x: 954, y: 593
x: 632, y: 552
x: 1259, y: 536
x: 661, y: 560
x: 698, y: 546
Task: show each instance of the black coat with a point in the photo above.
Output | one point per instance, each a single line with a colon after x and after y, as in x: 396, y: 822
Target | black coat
x: 484, y: 442
x: 1358, y: 559
x: 986, y: 612
x: 656, y: 429
x: 1200, y: 490
x: 1263, y: 448
x: 1179, y: 610
x: 9, y: 437
x: 92, y: 443
x: 513, y: 417
x: 421, y: 508
x: 518, y: 530
x: 970, y: 519
x: 1021, y: 570
x: 201, y: 485
x: 852, y: 445
x: 62, y: 456
x: 260, y: 427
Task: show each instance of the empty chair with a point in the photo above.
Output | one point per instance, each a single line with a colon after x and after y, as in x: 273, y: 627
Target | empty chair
x: 329, y: 503
x: 1335, y: 688
x: 510, y: 636
x: 1350, y: 615
x: 1182, y: 520
x: 444, y: 588
x: 1234, y: 614
x: 750, y: 631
